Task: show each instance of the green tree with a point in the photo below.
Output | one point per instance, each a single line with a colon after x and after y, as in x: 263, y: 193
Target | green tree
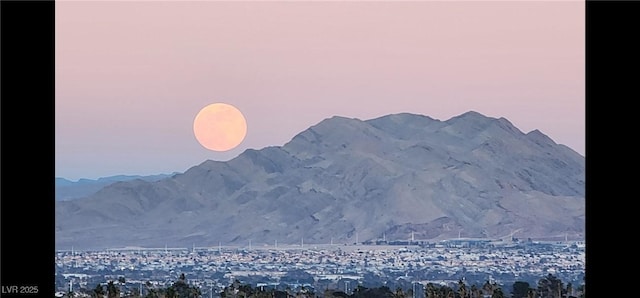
x: 531, y: 293
x: 399, y: 293
x: 230, y: 291
x: 446, y: 292
x: 462, y: 289
x: 112, y: 290
x: 497, y: 293
x: 98, y: 291
x: 151, y: 291
x: 550, y: 287
x: 245, y: 291
x: 195, y: 292
x: 487, y: 288
x: 170, y: 292
x: 431, y: 291
x: 380, y: 292
x: 180, y: 288
x: 475, y: 292
x: 305, y: 292
x: 520, y: 289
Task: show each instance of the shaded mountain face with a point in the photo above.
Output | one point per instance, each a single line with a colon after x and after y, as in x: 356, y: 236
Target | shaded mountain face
x: 342, y: 179
x: 70, y: 190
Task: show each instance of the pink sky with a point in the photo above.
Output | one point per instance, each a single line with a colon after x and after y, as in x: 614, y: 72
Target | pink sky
x: 131, y: 76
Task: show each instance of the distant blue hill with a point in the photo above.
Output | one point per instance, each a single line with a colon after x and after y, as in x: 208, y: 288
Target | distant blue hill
x: 70, y: 190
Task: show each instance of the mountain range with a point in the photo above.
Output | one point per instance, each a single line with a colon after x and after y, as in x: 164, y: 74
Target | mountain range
x: 345, y: 180
x: 69, y: 190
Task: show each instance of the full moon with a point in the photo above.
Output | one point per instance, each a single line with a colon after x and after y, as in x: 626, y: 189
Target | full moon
x: 220, y: 127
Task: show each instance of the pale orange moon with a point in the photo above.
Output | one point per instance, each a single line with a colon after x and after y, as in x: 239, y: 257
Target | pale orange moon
x: 220, y: 127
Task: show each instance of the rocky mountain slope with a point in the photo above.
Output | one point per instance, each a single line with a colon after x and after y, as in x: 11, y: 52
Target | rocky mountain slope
x: 343, y: 179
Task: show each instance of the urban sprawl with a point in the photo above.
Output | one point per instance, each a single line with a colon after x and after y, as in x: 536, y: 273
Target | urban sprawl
x: 320, y: 267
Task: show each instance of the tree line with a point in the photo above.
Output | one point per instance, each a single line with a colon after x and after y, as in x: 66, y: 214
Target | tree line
x: 179, y: 289
x: 547, y: 287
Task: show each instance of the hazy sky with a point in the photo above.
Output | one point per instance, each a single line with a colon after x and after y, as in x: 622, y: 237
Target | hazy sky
x: 131, y: 76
